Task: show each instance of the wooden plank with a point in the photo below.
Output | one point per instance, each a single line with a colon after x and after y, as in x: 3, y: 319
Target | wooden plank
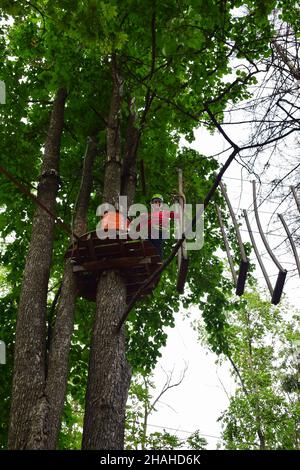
x: 113, y: 247
x: 105, y: 244
x: 110, y: 264
x: 182, y: 258
x: 240, y: 286
x: 107, y: 248
x: 235, y: 223
x: 101, y: 250
x: 295, y: 196
x: 260, y: 229
x: 91, y: 248
x: 278, y: 287
x: 182, y: 275
x: 153, y: 265
x: 257, y: 254
x: 140, y: 248
x: 227, y: 248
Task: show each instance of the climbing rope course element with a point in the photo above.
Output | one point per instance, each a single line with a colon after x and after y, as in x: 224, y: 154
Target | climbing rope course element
x: 138, y: 261
x: 276, y: 291
x: 260, y: 262
x: 2, y: 352
x: 182, y: 256
x: 179, y: 242
x: 244, y: 263
x: 227, y: 248
x: 294, y: 192
x: 289, y: 235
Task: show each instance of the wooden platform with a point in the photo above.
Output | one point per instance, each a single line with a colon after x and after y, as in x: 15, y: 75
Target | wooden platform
x: 136, y: 260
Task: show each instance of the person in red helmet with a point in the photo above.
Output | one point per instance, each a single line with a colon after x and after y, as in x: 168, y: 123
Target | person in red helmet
x: 157, y: 223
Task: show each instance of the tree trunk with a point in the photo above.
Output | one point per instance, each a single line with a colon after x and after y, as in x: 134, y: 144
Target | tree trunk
x: 29, y: 361
x: 257, y: 408
x: 109, y: 373
x: 50, y: 405
x: 283, y: 55
x: 129, y: 174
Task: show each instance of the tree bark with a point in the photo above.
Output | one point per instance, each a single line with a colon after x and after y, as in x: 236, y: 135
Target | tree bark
x: 255, y: 391
x: 50, y: 405
x: 283, y: 55
x: 109, y: 373
x: 129, y: 173
x: 29, y: 360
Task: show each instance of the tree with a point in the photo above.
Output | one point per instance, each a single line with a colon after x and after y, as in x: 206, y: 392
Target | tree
x: 263, y: 413
x: 268, y: 121
x: 141, y: 405
x: 162, y: 73
x: 31, y: 332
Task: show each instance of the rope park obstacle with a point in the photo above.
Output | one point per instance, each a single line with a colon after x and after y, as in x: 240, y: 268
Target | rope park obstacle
x: 138, y: 261
x: 240, y: 279
x: 145, y: 284
x: 149, y: 277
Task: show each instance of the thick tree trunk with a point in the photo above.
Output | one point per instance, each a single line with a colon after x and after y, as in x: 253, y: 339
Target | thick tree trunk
x: 129, y: 173
x: 51, y: 403
x: 29, y: 361
x: 109, y: 373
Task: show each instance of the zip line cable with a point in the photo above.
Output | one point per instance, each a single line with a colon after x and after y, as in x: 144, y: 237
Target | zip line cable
x: 181, y: 430
x: 191, y: 432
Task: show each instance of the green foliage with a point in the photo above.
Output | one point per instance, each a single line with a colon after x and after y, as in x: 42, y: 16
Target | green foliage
x: 48, y: 44
x: 71, y: 428
x: 264, y: 412
x: 141, y: 406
